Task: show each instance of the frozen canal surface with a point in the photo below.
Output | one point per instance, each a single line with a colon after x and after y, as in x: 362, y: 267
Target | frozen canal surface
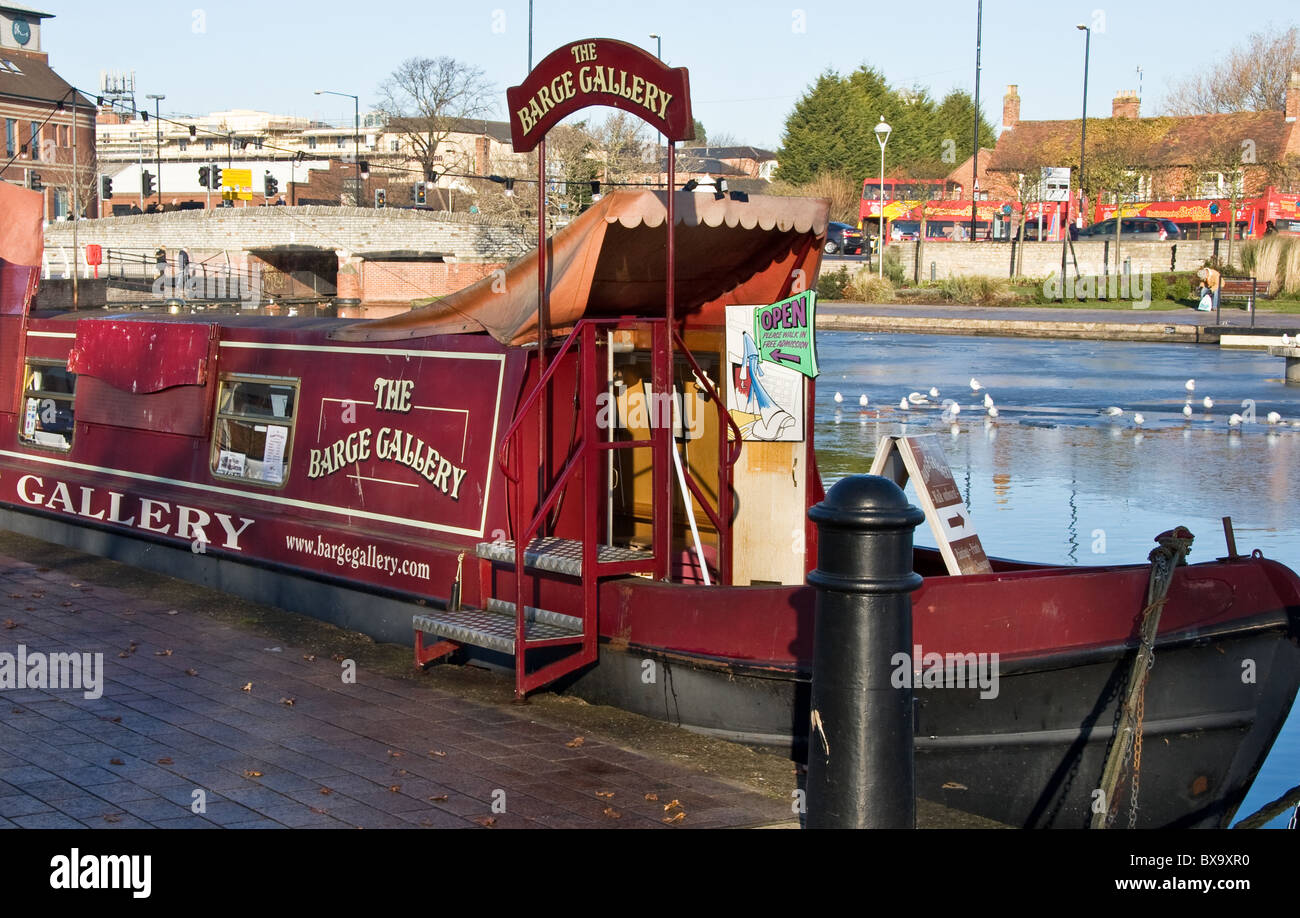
x: 1053, y: 479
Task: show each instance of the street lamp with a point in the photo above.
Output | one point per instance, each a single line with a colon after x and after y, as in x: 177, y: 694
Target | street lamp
x: 158, y: 147
x: 659, y: 46
x: 882, y: 137
x: 1083, y: 128
x: 356, y: 133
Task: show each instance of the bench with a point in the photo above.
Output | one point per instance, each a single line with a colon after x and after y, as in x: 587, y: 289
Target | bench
x: 1247, y: 289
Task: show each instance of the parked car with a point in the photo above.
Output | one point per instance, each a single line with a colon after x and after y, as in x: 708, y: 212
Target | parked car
x: 842, y: 239
x: 1135, y: 229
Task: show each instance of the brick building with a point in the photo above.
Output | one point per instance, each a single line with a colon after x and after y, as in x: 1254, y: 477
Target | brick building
x: 1236, y: 154
x: 41, y: 138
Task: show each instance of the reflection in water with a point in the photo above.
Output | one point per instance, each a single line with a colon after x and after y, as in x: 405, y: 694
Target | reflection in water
x: 1075, y: 469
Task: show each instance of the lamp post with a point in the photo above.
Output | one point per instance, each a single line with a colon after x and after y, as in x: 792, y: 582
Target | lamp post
x: 356, y: 134
x: 1083, y: 122
x: 158, y: 147
x: 659, y: 53
x: 882, y: 137
x: 975, y: 145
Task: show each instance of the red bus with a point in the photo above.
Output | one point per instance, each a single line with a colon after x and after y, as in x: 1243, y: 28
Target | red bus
x: 908, y: 202
x: 1207, y: 218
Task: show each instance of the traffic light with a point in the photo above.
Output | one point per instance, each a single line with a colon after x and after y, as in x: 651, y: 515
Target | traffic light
x: 105, y: 187
x: 419, y: 193
x: 205, y: 176
x: 381, y: 197
x: 216, y: 177
x: 271, y: 184
x: 146, y: 183
x: 34, y: 181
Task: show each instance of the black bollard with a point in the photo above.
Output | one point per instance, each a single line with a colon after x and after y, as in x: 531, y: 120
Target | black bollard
x: 860, y: 760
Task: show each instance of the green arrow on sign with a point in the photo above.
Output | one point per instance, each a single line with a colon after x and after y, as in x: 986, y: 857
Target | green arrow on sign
x: 786, y: 332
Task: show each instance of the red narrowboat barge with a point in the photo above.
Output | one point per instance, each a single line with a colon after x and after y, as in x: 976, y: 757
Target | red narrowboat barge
x: 552, y: 470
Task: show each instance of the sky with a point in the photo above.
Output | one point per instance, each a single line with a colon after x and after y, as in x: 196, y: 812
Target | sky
x: 749, y: 62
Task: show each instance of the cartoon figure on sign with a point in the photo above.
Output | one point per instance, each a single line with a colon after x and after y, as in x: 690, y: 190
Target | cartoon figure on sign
x: 753, y: 397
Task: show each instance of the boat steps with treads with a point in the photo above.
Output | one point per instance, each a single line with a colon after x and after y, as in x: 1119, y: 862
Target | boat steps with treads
x: 494, y: 627
x: 564, y: 556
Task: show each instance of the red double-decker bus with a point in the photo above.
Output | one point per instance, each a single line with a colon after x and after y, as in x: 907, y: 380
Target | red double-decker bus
x: 1207, y: 218
x: 907, y: 203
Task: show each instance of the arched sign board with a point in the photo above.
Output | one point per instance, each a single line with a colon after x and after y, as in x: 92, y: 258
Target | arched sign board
x: 600, y: 71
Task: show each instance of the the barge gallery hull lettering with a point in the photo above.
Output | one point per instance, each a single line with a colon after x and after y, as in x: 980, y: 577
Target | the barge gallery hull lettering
x: 390, y: 445
x: 158, y: 516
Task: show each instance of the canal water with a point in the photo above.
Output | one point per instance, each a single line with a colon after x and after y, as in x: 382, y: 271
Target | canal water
x: 1055, y: 478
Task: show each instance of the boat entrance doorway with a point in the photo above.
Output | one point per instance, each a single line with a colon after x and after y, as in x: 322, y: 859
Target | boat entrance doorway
x: 297, y: 274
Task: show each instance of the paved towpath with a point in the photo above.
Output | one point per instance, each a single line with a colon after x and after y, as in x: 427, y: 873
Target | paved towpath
x: 270, y: 735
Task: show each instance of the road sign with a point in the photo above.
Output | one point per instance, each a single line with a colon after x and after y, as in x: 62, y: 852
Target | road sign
x: 922, y: 460
x: 786, y: 332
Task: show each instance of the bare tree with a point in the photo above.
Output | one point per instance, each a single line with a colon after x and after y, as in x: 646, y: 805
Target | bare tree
x: 425, y: 99
x: 1253, y: 77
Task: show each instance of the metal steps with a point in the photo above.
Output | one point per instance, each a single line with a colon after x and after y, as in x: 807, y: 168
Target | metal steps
x: 564, y: 556
x: 494, y: 627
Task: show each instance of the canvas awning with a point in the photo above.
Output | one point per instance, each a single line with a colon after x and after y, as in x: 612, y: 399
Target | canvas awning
x: 611, y: 261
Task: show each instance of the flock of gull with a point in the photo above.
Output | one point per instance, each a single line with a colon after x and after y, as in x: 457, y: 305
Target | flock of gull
x: 951, y: 408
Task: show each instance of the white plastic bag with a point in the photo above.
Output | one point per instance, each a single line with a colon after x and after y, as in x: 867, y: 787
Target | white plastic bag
x: 1206, y: 304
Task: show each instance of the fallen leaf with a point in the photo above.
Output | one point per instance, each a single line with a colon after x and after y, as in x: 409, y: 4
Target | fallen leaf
x: 394, y: 788
x: 17, y: 595
x: 66, y: 603
x: 953, y: 785
x: 74, y: 584
x: 487, y: 821
x: 396, y: 755
x: 172, y: 612
x: 162, y: 653
x: 116, y: 762
x: 439, y: 753
x: 112, y: 817
x: 613, y: 813
x: 191, y: 672
x: 247, y: 688
x: 401, y: 772
x: 601, y: 793
x: 575, y: 742
x: 16, y: 711
x: 113, y: 720
x: 676, y: 817
x: 441, y: 798
x: 287, y: 701
x: 124, y: 654
x: 10, y: 624
x: 652, y: 797
x: 338, y: 658
x: 326, y: 791
x: 166, y: 760
x: 309, y: 657
x: 252, y: 774
x: 320, y: 811
x: 669, y: 806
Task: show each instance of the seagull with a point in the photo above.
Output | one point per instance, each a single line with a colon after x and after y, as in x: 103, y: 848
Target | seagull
x: 1190, y: 385
x: 1234, y: 420
x: 916, y: 398
x: 934, y: 392
x: 975, y: 384
x: 903, y: 406
x: 862, y: 401
x: 1207, y: 402
x: 838, y: 398
x: 954, y: 409
x: 1187, y: 410
x: 1288, y: 341
x: 988, y: 400
x: 1138, y: 419
x: 993, y: 412
x: 1113, y: 412
x: 1274, y: 417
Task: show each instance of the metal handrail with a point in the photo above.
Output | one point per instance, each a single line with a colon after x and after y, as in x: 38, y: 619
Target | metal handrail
x: 723, y: 412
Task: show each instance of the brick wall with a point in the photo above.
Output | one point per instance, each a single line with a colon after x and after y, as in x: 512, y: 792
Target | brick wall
x: 993, y: 259
x: 391, y: 282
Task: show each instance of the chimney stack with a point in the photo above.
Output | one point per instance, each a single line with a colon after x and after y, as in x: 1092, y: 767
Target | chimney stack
x: 1293, y: 96
x: 1011, y: 108
x: 1126, y: 104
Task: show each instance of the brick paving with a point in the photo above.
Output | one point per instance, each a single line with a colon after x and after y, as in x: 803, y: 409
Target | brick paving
x: 300, y: 747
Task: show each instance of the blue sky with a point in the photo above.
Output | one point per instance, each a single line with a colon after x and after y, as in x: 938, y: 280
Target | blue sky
x: 749, y: 62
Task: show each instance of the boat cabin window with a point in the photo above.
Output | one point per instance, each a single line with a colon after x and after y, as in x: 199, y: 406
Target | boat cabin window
x: 48, y: 405
x: 254, y: 429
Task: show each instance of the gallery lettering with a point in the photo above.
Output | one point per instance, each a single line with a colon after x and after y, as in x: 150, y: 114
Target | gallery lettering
x: 388, y: 444
x: 145, y: 513
x: 593, y: 79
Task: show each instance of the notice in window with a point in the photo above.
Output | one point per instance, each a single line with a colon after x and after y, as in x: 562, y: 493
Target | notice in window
x: 273, y: 458
x: 230, y: 463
